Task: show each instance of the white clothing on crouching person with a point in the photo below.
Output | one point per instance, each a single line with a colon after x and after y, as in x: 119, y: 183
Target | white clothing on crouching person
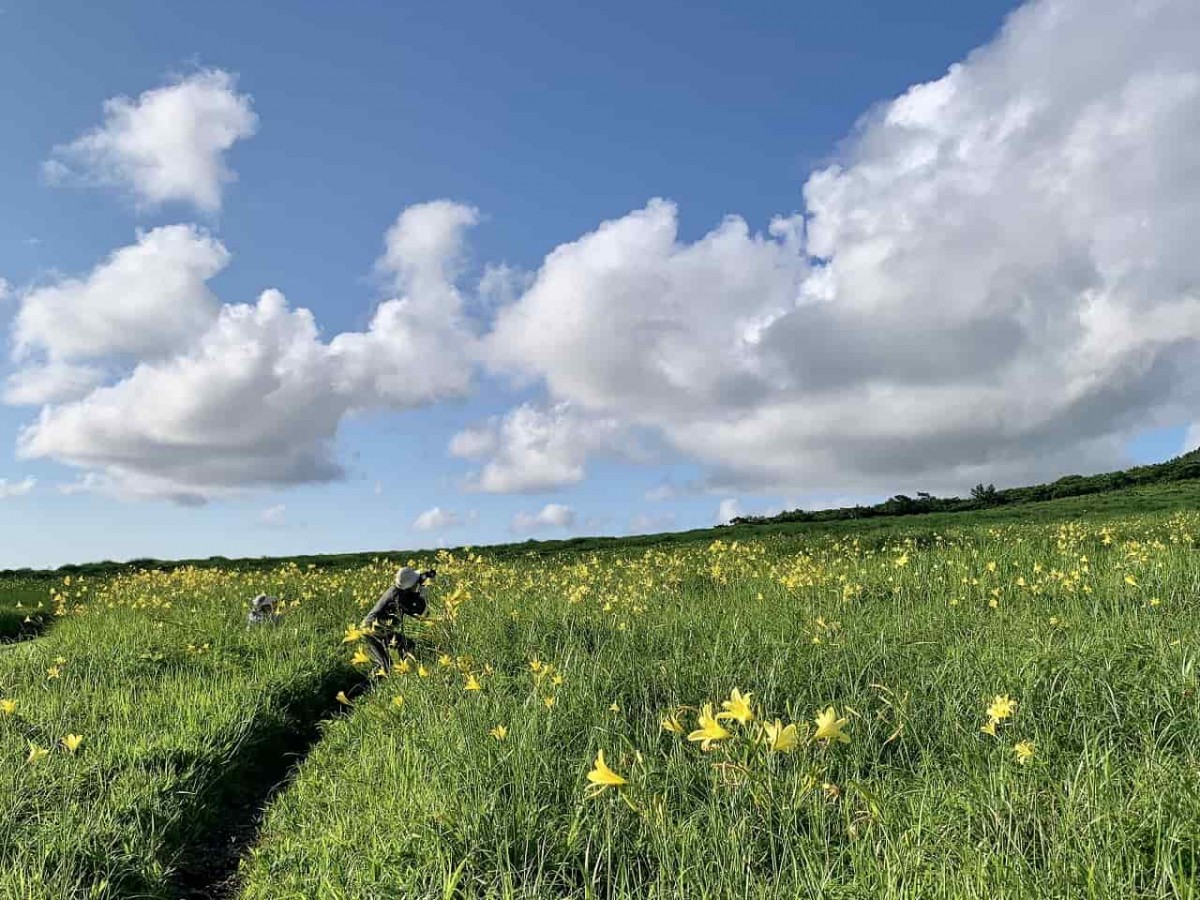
x: 262, y: 610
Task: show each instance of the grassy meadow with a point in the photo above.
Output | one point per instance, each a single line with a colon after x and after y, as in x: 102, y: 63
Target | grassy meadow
x: 966, y: 708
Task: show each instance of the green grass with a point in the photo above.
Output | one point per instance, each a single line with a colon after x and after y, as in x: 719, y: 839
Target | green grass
x: 419, y: 801
x: 892, y: 623
x: 171, y: 727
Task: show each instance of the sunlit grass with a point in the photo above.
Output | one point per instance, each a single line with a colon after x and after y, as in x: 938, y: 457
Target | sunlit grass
x: 1004, y: 710
x: 1087, y: 787
x: 161, y: 690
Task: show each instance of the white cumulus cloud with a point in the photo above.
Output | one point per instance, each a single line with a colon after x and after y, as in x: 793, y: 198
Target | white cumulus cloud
x: 50, y: 383
x: 531, y: 450
x: 1191, y: 439
x: 500, y: 285
x: 253, y: 402
x: 436, y: 519
x: 552, y: 515
x: 146, y: 299
x: 168, y: 144
x: 629, y: 321
x: 665, y: 490
x: 255, y: 397
x: 274, y: 516
x: 420, y: 345
x: 16, y: 488
x: 729, y: 508
x: 995, y: 281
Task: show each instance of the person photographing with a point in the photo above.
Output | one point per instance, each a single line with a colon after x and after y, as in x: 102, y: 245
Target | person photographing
x: 384, y: 624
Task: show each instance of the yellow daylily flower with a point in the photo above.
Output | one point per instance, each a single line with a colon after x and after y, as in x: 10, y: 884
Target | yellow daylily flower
x: 548, y: 702
x: 671, y: 724
x: 422, y: 671
x: 709, y: 729
x: 72, y: 742
x: 499, y: 732
x: 1024, y: 751
x: 36, y: 753
x: 341, y: 698
x: 52, y: 672
x: 359, y: 659
x: 737, y: 707
x: 352, y: 635
x: 8, y: 707
x: 1002, y: 707
x: 398, y: 701
x: 602, y: 777
x: 472, y: 684
x: 445, y: 660
x: 829, y: 727
x: 989, y: 727
x: 781, y: 738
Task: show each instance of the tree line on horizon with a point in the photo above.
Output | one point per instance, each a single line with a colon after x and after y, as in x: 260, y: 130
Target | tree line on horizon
x: 1181, y: 468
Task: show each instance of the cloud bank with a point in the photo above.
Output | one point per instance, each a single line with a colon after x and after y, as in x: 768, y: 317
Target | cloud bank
x: 552, y: 515
x: 253, y: 397
x: 436, y: 519
x: 993, y: 282
x: 531, y: 450
x: 996, y: 279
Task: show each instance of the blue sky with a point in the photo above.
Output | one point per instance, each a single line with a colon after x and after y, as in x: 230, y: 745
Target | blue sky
x: 545, y: 124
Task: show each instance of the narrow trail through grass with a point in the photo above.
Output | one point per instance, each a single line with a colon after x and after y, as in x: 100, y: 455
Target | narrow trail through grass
x: 235, y: 802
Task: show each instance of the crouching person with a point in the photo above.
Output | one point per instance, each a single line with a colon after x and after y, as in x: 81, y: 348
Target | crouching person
x: 262, y: 610
x: 385, y: 622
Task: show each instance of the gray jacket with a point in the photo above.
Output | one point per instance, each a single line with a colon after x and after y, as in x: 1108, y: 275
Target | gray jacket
x: 393, y: 605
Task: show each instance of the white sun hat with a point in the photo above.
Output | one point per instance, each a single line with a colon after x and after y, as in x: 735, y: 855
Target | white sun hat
x: 407, y: 578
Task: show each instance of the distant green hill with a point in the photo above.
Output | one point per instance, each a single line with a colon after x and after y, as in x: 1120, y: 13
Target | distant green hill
x: 1162, y: 487
x: 1181, y: 468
